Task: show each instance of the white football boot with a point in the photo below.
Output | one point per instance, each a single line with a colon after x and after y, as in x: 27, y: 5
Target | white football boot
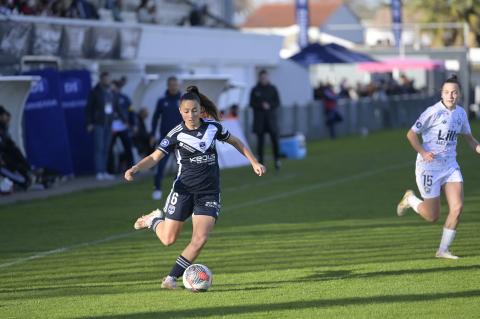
x: 169, y: 283
x: 146, y: 220
x: 445, y: 254
x: 403, y: 204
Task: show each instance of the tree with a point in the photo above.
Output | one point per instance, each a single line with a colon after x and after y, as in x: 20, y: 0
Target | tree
x: 438, y: 11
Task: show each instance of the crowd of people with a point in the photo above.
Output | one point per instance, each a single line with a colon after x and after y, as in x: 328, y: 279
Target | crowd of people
x: 121, y: 135
x: 79, y: 9
x: 378, y: 89
x: 146, y: 11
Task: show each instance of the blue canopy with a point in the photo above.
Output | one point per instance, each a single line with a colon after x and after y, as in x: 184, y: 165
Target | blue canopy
x: 316, y: 53
x: 347, y: 54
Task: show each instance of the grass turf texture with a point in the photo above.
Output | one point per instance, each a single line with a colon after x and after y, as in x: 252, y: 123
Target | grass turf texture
x: 319, y: 239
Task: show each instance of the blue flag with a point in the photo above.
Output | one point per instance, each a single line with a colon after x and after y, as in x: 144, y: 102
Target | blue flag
x: 396, y: 8
x: 303, y: 22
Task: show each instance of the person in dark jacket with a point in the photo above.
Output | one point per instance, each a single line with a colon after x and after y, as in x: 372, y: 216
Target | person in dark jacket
x: 264, y: 100
x: 13, y: 165
x: 167, y: 109
x: 102, y: 107
x: 141, y: 136
x: 121, y: 129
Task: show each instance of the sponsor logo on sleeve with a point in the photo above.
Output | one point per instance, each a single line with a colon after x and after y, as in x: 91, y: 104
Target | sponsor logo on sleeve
x: 418, y: 124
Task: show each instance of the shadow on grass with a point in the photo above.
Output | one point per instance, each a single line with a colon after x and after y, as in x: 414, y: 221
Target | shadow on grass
x: 294, y: 305
x: 349, y: 274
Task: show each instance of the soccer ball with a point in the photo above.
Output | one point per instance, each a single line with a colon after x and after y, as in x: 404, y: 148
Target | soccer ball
x: 197, y: 278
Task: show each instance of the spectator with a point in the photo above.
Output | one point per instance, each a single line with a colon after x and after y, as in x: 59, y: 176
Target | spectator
x: 198, y: 15
x: 100, y: 109
x: 264, y: 100
x: 116, y: 7
x: 121, y: 130
x: 326, y: 94
x: 13, y: 165
x: 167, y: 108
x: 60, y: 8
x: 25, y: 7
x: 83, y: 9
x: 232, y: 112
x: 344, y: 92
x: 141, y: 137
x: 6, y: 7
x: 42, y: 8
x: 146, y: 12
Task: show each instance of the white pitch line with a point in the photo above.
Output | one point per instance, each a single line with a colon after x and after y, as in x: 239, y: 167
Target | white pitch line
x: 232, y: 207
x: 67, y: 248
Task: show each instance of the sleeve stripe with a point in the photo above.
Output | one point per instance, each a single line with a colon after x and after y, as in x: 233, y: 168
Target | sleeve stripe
x: 176, y: 129
x: 224, y: 138
x: 162, y: 149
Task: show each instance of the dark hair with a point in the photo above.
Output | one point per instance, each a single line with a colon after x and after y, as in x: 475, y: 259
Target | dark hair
x: 262, y: 72
x: 3, y: 110
x: 172, y: 78
x: 193, y: 94
x: 104, y: 74
x: 452, y: 79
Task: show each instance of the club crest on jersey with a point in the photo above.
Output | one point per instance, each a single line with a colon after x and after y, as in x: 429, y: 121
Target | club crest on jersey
x: 427, y: 189
x: 164, y: 143
x: 171, y: 209
x: 418, y: 125
x: 202, y: 145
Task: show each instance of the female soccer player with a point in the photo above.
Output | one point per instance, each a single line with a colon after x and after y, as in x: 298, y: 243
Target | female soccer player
x: 436, y: 165
x: 196, y: 189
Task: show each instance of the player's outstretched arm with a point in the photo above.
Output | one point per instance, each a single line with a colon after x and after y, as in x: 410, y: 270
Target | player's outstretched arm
x: 417, y: 146
x: 472, y: 142
x: 146, y: 163
x: 258, y: 168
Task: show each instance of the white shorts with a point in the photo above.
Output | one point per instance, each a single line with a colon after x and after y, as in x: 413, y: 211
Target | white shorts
x: 430, y: 182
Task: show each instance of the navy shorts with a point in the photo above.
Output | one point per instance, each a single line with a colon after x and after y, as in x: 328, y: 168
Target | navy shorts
x: 180, y: 206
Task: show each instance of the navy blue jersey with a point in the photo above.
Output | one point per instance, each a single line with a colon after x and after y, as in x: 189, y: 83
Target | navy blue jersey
x: 197, y: 157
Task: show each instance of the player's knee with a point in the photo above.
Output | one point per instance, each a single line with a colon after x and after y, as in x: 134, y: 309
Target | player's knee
x: 433, y: 218
x: 456, y: 209
x: 168, y: 240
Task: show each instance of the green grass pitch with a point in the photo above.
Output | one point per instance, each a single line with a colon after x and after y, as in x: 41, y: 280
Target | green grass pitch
x: 318, y: 240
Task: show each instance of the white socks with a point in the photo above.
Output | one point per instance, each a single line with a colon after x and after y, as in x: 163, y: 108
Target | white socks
x: 414, y: 201
x: 447, y: 238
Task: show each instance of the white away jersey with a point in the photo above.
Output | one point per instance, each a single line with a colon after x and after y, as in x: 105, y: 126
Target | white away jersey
x: 439, y: 128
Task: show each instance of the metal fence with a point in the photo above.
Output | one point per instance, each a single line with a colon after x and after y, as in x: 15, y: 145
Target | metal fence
x: 359, y: 117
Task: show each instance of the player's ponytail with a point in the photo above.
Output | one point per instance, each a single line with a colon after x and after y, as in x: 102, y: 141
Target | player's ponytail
x: 452, y: 79
x: 192, y: 93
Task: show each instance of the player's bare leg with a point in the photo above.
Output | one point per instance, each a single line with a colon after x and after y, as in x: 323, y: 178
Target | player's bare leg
x: 202, y: 226
x: 454, y: 194
x: 168, y: 231
x: 428, y: 209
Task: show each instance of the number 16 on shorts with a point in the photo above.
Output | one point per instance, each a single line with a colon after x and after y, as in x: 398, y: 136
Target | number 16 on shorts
x: 172, y: 203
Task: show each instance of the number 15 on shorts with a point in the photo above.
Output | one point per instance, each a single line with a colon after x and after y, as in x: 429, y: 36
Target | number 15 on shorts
x: 427, y: 180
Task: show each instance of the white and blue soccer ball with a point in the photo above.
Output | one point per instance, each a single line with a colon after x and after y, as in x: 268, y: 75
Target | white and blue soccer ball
x: 197, y: 278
